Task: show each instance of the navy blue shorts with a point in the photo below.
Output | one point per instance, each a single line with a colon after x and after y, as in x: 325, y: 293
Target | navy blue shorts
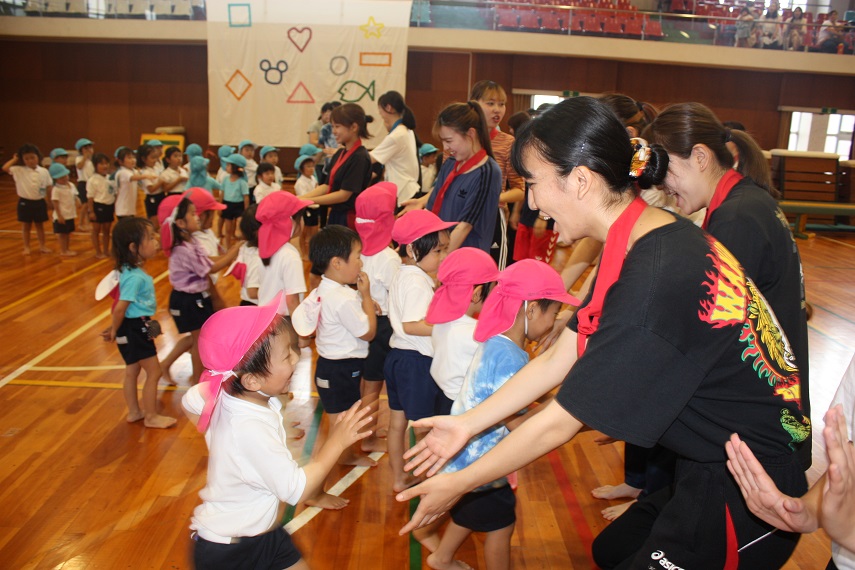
x: 152, y: 202
x: 133, y: 340
x: 409, y: 384
x: 233, y: 211
x: 190, y: 310
x: 104, y: 213
x: 443, y: 404
x: 65, y: 228
x: 338, y: 383
x: 273, y: 549
x: 486, y: 511
x: 81, y: 191
x: 378, y: 350
x: 32, y: 210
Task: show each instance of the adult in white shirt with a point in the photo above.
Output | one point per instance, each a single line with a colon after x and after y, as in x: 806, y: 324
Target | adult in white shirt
x: 398, y: 152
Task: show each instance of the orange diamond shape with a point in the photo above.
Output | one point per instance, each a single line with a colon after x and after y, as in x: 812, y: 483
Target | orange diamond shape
x: 241, y: 85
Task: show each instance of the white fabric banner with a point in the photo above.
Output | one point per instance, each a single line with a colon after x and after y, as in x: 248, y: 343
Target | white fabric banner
x: 273, y: 63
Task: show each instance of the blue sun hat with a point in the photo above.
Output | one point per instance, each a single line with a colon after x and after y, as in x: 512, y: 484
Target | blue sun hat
x: 236, y: 159
x: 225, y: 151
x: 427, y: 149
x: 266, y: 150
x: 118, y: 150
x: 193, y: 150
x: 309, y: 149
x: 58, y: 170
x: 58, y: 152
x: 300, y: 160
x: 244, y: 143
x: 154, y: 142
x: 81, y: 143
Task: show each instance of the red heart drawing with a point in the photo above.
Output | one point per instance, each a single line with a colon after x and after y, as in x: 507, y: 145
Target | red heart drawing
x: 300, y: 37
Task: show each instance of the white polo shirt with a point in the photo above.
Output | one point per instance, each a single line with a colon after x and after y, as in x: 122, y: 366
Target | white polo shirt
x: 409, y: 298
x: 397, y: 152
x: 342, y: 322
x: 250, y: 469
x: 147, y: 183
x: 248, y: 255
x: 83, y: 174
x: 65, y: 195
x: 99, y: 189
x: 454, y: 347
x: 284, y: 273
x: 31, y: 183
x: 251, y: 168
x: 170, y: 175
x: 263, y: 190
x: 126, y: 193
x: 381, y: 269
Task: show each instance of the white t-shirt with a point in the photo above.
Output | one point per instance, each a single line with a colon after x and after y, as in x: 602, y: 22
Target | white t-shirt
x: 66, y: 196
x: 221, y: 175
x: 277, y: 176
x: 31, y: 183
x: 170, y: 175
x: 284, y: 273
x: 159, y: 167
x: 250, y: 469
x: 248, y: 255
x: 342, y: 322
x: 381, y: 269
x: 454, y: 347
x: 304, y: 185
x: 147, y: 183
x: 397, y: 152
x: 126, y: 193
x: 429, y: 177
x: 87, y: 171
x: 409, y: 298
x: 263, y: 190
x: 99, y: 189
x: 251, y: 167
x: 209, y: 242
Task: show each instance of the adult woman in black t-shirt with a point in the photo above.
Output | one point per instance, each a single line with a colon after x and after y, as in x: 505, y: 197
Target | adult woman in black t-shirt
x: 676, y: 346
x: 350, y: 167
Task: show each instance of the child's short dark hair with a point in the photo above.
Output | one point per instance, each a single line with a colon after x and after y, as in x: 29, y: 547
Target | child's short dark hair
x: 249, y: 225
x: 169, y: 152
x: 422, y: 246
x: 257, y: 359
x: 122, y: 154
x: 129, y: 231
x: 332, y: 241
x: 485, y: 290
x: 264, y: 167
x: 545, y: 304
x: 100, y: 157
x: 29, y: 149
x: 179, y: 235
x: 304, y: 163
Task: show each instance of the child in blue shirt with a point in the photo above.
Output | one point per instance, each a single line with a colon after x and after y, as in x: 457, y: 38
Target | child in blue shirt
x: 521, y: 307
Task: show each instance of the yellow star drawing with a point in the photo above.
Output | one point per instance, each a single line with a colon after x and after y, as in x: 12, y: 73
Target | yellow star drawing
x: 372, y: 28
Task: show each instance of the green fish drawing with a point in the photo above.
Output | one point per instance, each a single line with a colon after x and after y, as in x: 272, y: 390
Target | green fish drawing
x: 353, y: 91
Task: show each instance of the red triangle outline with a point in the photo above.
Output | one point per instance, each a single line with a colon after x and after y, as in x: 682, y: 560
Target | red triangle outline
x: 294, y: 92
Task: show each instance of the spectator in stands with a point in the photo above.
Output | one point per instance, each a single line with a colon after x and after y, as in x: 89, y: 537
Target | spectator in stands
x: 771, y: 28
x: 744, y: 24
x: 796, y: 27
x: 830, y: 34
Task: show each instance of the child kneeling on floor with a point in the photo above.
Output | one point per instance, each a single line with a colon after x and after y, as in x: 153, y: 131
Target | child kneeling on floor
x: 249, y: 355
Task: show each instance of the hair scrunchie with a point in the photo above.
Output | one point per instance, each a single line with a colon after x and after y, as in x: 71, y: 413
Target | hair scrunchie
x: 640, y: 157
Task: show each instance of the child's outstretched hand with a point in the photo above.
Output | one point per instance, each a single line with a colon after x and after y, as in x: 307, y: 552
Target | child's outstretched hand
x: 108, y: 334
x: 363, y: 284
x: 346, y: 432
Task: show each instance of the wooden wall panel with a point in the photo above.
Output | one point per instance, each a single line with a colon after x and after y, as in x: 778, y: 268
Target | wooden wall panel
x: 433, y: 81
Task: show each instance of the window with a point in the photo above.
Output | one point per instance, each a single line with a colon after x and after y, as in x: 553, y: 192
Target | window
x: 822, y: 132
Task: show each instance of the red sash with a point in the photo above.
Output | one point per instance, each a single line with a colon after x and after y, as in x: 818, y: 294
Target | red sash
x: 455, y: 170
x: 342, y: 159
x: 611, y: 264
x: 722, y: 189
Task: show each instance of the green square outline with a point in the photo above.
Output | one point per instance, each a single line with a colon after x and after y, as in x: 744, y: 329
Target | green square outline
x: 248, y: 11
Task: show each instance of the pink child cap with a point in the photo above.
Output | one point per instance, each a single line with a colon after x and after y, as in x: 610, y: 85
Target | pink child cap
x: 459, y: 273
x: 274, y: 213
x: 417, y: 223
x: 165, y: 213
x: 224, y: 340
x: 203, y: 200
x: 526, y: 280
x: 375, y: 216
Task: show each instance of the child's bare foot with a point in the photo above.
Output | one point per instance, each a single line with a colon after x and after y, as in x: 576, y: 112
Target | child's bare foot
x: 135, y: 416
x: 167, y: 376
x: 405, y: 482
x: 27, y: 251
x: 157, y: 421
x: 428, y: 537
x: 372, y: 443
x: 68, y: 253
x: 357, y: 458
x: 100, y: 255
x: 612, y: 492
x: 436, y: 564
x: 327, y: 501
x: 44, y: 249
x: 611, y: 513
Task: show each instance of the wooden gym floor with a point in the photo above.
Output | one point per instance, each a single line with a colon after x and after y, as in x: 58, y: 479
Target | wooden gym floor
x: 81, y: 488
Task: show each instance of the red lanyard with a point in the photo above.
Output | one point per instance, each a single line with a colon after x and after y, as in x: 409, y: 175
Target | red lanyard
x: 455, y: 170
x: 722, y: 189
x: 611, y: 264
x: 494, y: 133
x: 342, y: 159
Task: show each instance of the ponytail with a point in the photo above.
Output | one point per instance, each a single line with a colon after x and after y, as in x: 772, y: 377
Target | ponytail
x: 351, y: 113
x: 752, y: 163
x: 395, y: 100
x: 464, y: 116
